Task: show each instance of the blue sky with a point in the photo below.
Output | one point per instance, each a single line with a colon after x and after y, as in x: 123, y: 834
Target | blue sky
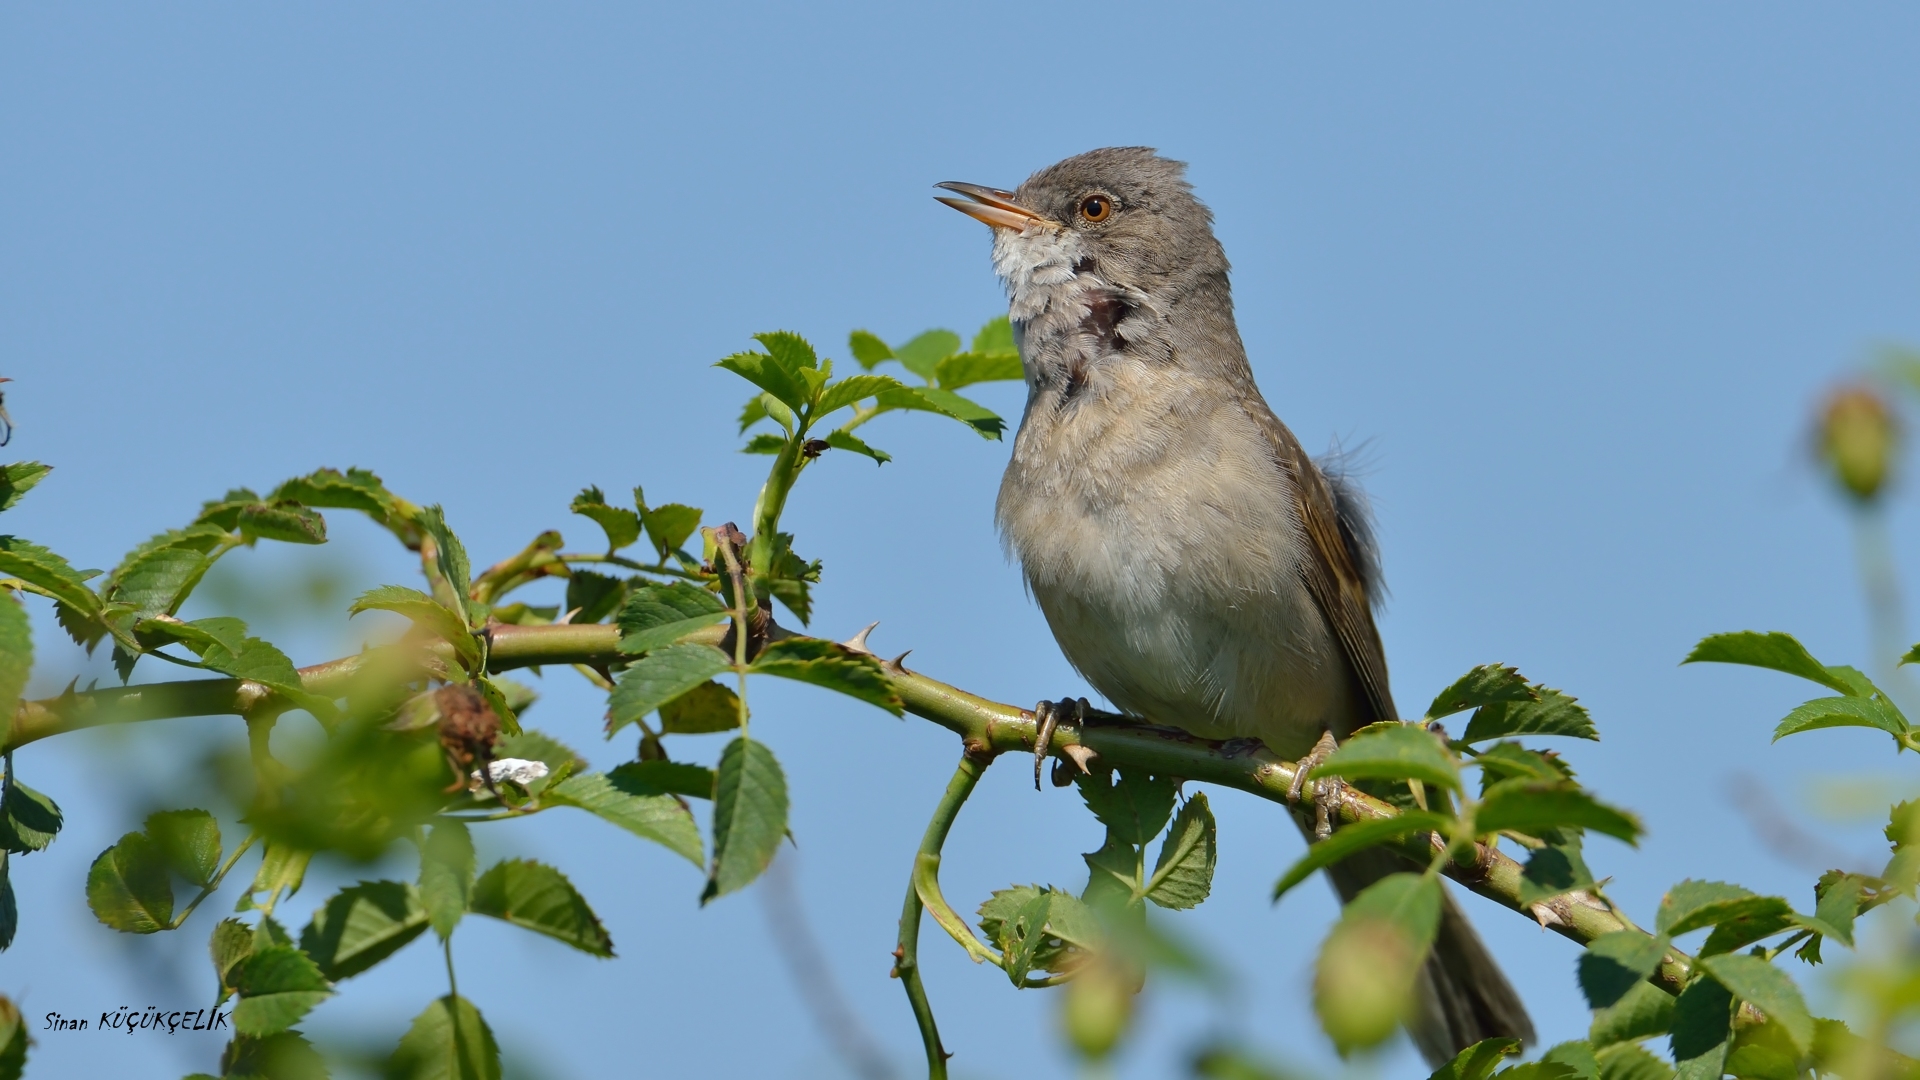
x: 1571, y: 279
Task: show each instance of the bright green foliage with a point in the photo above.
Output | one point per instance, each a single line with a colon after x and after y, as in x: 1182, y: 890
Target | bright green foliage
x: 28, y: 820
x: 1356, y: 837
x: 1484, y: 685
x: 446, y: 875
x: 1577, y: 1056
x: 621, y: 525
x: 282, y: 870
x: 1183, y: 875
x: 189, y: 842
x: 1551, y: 713
x: 1751, y: 978
x: 1392, y: 751
x: 659, y: 677
x: 828, y: 664
x: 17, y: 479
x: 284, y: 1055
x: 749, y: 816
x: 232, y: 942
x: 1691, y: 905
x: 1778, y: 651
x: 277, y: 984
x: 16, y: 652
x: 625, y: 798
x: 706, y: 708
x: 448, y: 1041
x: 1058, y: 930
x: 656, y: 616
x: 1534, y: 806
x: 1477, y: 1062
x: 1363, y: 982
x: 669, y: 526
x: 361, y: 925
x: 1626, y: 1061
x: 127, y: 886
x: 540, y: 898
x: 286, y: 521
x: 429, y: 615
x: 1133, y: 805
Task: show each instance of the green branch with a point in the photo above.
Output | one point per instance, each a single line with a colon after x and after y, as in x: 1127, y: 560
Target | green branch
x: 906, y: 957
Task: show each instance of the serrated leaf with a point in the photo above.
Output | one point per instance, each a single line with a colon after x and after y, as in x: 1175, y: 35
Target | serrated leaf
x: 1555, y: 870
x: 670, y: 777
x: 158, y: 580
x: 1627, y: 1061
x: 1553, y: 713
x: 1478, y: 1061
x: 446, y: 875
x: 425, y: 612
x: 1702, y: 1029
x: 592, y: 596
x: 284, y: 1055
x: 788, y: 577
x: 284, y: 520
x: 1643, y: 1011
x: 968, y: 368
x: 754, y: 412
x: 1753, y: 979
x: 749, y: 816
x: 448, y: 1041
x: 996, y: 336
x: 1133, y: 804
x: 28, y: 820
x: 53, y: 576
x: 765, y: 443
x: 189, y: 842
x: 331, y: 489
x: 19, y: 478
x: 282, y: 870
x: 16, y: 652
x: 230, y: 943
x: 1774, y: 650
x: 1615, y: 963
x: 449, y: 554
x: 1870, y: 712
x: 630, y: 799
x: 852, y: 389
x: 361, y: 925
x: 1577, y: 1056
x: 1025, y: 935
x: 127, y: 886
x: 669, y: 526
x: 531, y: 744
x: 1484, y: 685
x: 782, y: 381
x: 789, y: 348
x: 659, y: 677
x: 621, y: 525
x: 277, y: 985
x: 947, y: 403
x: 840, y: 440
x: 1392, y: 751
x: 1072, y: 929
x: 1691, y: 905
x: 1356, y: 837
x: 868, y: 349
x: 538, y: 897
x: 259, y: 661
x: 832, y: 665
x: 706, y: 708
x: 1761, y: 920
x: 1533, y: 806
x: 655, y: 615
x: 1837, y: 905
x: 924, y: 353
x: 1508, y: 761
x: 1183, y: 874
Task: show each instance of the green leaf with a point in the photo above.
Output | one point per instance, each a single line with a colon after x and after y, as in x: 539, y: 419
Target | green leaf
x: 1133, y: 804
x: 996, y: 336
x: 1554, y: 713
x: 127, y: 887
x: 1364, y: 978
x: 282, y: 870
x: 765, y: 443
x: 446, y: 875
x: 1691, y: 905
x: 1509, y: 760
x: 669, y: 777
x: 9, y: 906
x: 1643, y: 1011
x: 868, y: 349
x: 331, y: 489
x: 259, y: 661
x: 1533, y: 806
x: 592, y: 596
x: 840, y: 440
x: 285, y: 520
x: 1026, y: 934
x: 16, y: 653
x: 669, y: 526
x: 1556, y: 869
x: 789, y: 349
x: 1871, y: 712
x: 49, y: 573
x: 788, y: 576
x: 423, y: 610
x: 1702, y: 1029
x: 449, y: 554
x: 924, y: 353
x: 532, y: 744
x: 1837, y: 905
x: 658, y: 615
x: 28, y: 820
x: 1615, y: 963
x: 1484, y: 685
x: 1478, y: 1061
x: 231, y: 942
x: 706, y: 708
x: 968, y: 368
x: 284, y: 1055
x: 188, y: 841
x: 1072, y: 930
x: 621, y: 525
x: 852, y: 389
x: 1183, y: 875
x: 637, y: 805
x: 19, y: 478
x: 13, y: 1041
x: 1357, y: 837
x: 659, y: 677
x: 781, y: 380
x: 448, y: 1041
x: 1767, y: 987
x: 947, y: 403
x: 1576, y: 1056
x: 1627, y: 1061
x: 832, y: 665
x: 1775, y: 650
x: 749, y: 816
x: 1409, y: 901
x: 362, y: 925
x: 1761, y: 920
x: 277, y: 985
x: 540, y: 898
x: 158, y: 580
x: 1392, y: 751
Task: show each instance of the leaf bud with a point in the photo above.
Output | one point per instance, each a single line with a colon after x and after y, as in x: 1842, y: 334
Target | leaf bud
x: 1858, y: 436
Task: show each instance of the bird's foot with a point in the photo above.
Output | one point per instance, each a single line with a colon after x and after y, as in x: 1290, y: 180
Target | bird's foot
x: 1046, y: 716
x: 1322, y: 789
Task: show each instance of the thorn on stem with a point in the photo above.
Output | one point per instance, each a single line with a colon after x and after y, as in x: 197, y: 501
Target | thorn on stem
x: 858, y: 642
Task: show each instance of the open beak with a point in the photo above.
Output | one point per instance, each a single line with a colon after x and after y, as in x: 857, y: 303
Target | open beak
x: 991, y: 205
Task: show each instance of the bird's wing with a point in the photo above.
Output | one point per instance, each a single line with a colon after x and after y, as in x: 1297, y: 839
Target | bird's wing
x: 1332, y: 569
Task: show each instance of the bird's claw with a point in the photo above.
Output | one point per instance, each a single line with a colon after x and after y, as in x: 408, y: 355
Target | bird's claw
x: 1046, y: 715
x: 1322, y: 789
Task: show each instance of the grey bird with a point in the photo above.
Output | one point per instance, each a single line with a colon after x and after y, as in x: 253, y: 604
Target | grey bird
x: 1195, y: 565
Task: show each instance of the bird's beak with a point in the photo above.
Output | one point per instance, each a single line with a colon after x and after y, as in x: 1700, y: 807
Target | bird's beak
x: 991, y: 205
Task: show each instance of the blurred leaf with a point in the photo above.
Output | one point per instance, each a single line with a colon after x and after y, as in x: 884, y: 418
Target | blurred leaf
x: 189, y: 842
x: 749, y: 816
x: 277, y: 985
x: 446, y: 875
x: 1478, y: 1061
x: 1183, y: 874
x: 1702, y: 1024
x: 284, y: 1055
x: 285, y: 520
x: 1484, y: 685
x: 1356, y: 837
x: 283, y: 868
x: 656, y: 616
x: 706, y: 708
x: 1754, y: 979
x: 968, y: 368
x: 1615, y: 963
x: 1554, y: 713
x: 868, y: 349
x: 13, y: 1041
x: 1130, y: 802
x: 924, y: 353
x: 362, y: 925
x: 1830, y: 712
x: 538, y: 897
x: 1097, y: 1008
x: 127, y: 886
x: 1224, y: 1061
x: 764, y: 443
x: 231, y: 942
x: 1775, y: 650
x: 592, y: 596
x: 621, y: 525
x: 1556, y: 869
x: 1364, y: 979
x: 1626, y: 1061
x: 9, y: 906
x: 832, y: 665
x: 669, y: 526
x: 840, y: 440
x: 28, y: 820
x: 16, y: 652
x: 1509, y: 761
x: 754, y: 412
x: 1691, y: 905
x: 18, y: 479
x: 1643, y: 1011
x: 49, y: 573
x: 996, y: 336
x: 947, y: 403
x: 448, y: 1041
x: 659, y: 677
x: 1576, y: 1056
x: 1392, y: 751
x: 668, y: 777
x: 630, y: 801
x: 1532, y: 806
x: 852, y: 389
x: 779, y: 379
x: 1072, y: 929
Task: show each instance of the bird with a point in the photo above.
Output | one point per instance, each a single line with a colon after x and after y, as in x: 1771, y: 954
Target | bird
x: 1195, y: 565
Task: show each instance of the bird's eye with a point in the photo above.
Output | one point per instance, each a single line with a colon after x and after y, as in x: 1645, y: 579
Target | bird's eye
x: 1096, y: 208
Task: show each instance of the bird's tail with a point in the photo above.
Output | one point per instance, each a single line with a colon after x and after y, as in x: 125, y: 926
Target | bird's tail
x: 1461, y: 996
